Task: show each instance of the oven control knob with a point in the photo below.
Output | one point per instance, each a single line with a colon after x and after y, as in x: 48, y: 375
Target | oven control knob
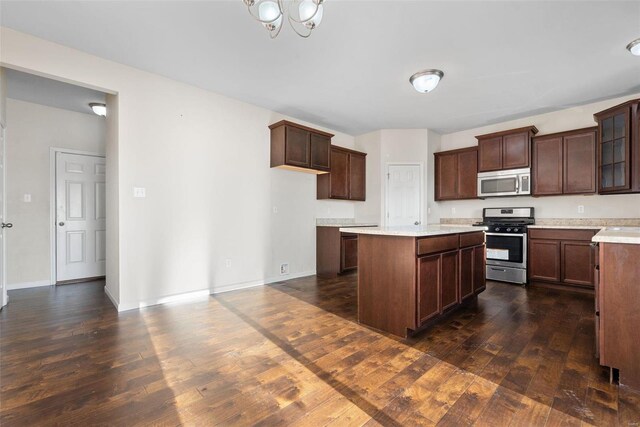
x: 508, y: 230
x: 497, y: 228
x: 515, y: 230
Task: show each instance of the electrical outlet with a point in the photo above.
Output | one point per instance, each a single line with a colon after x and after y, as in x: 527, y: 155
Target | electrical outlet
x: 27, y: 198
x: 580, y: 209
x: 275, y: 209
x: 227, y: 263
x: 139, y: 192
x: 428, y: 211
x: 453, y: 211
x: 284, y: 269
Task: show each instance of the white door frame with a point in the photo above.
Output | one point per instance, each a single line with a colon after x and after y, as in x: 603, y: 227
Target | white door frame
x: 4, y: 298
x: 385, y: 179
x: 53, y: 151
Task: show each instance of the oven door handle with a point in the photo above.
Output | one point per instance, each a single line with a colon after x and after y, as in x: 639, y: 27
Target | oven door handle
x: 506, y: 234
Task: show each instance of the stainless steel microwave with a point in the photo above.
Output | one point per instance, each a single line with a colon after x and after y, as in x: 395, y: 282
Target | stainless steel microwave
x: 514, y: 182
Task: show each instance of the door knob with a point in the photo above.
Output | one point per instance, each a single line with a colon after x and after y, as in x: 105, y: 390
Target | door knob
x: 7, y: 225
x: 61, y: 224
x: 416, y: 223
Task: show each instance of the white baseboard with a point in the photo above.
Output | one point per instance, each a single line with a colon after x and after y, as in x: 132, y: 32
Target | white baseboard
x: 204, y: 293
x: 187, y: 296
x: 253, y: 284
x: 113, y: 300
x: 26, y: 285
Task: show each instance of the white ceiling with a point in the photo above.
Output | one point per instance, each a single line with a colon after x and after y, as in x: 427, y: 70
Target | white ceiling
x: 40, y: 90
x: 502, y: 60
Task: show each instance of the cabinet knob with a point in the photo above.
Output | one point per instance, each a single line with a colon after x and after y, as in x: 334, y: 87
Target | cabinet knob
x: 61, y: 223
x: 7, y: 225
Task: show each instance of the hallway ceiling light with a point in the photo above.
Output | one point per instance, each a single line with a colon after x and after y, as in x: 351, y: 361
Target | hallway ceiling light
x: 99, y: 109
x: 634, y: 47
x: 303, y: 15
x: 426, y: 81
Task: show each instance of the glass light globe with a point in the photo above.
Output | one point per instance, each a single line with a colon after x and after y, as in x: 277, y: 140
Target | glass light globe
x: 268, y: 11
x: 634, y: 47
x: 426, y: 81
x: 307, y: 9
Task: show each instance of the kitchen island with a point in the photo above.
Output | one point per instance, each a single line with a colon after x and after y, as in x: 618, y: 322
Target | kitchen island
x: 617, y: 305
x: 410, y: 277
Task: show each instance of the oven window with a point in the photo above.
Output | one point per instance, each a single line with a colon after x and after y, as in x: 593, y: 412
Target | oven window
x: 505, y: 248
x: 498, y: 185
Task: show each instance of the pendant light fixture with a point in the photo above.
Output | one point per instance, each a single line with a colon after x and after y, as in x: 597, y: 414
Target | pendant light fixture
x: 634, y: 47
x: 303, y: 15
x: 426, y: 81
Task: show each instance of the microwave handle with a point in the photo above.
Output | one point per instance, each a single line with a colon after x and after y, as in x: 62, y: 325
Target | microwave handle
x: 517, y: 184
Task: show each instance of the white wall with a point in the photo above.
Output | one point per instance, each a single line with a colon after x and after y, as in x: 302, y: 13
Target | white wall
x: 385, y: 147
x: 204, y: 160
x: 370, y: 209
x: 31, y: 130
x: 595, y: 206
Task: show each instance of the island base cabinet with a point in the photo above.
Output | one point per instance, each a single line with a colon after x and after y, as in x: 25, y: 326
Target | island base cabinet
x: 617, y: 303
x: 407, y: 283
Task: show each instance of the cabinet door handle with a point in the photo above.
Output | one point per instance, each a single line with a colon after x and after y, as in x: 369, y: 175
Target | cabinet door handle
x: 7, y: 225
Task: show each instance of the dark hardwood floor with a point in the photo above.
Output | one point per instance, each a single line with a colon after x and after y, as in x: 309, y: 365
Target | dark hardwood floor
x: 292, y: 354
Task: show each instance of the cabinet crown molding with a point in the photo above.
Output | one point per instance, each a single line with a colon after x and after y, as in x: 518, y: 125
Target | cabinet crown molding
x: 296, y: 125
x: 531, y: 129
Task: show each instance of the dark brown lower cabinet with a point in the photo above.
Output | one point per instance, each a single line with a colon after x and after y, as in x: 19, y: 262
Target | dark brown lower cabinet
x: 429, y: 278
x: 561, y: 258
x: 336, y: 252
x: 544, y: 260
x: 407, y: 283
x: 448, y: 278
x: 617, y: 300
x: 348, y: 252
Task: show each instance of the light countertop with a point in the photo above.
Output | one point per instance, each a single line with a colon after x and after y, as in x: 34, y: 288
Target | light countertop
x: 629, y: 235
x: 348, y: 225
x: 414, y: 230
x: 570, y: 227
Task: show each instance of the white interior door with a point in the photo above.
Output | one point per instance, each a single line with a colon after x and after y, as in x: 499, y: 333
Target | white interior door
x: 4, y: 226
x: 404, y: 195
x: 80, y: 216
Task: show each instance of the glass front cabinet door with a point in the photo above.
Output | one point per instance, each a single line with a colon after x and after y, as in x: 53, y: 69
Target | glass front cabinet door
x: 614, y: 142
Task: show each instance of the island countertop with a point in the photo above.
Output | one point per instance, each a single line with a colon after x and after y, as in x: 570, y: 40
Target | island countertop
x: 628, y: 235
x: 415, y: 230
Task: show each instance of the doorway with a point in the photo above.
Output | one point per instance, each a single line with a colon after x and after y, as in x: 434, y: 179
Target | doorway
x: 80, y: 216
x: 404, y: 194
x: 55, y: 196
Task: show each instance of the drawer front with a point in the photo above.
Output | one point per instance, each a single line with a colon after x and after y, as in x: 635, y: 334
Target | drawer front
x: 471, y: 239
x: 430, y: 245
x: 561, y: 234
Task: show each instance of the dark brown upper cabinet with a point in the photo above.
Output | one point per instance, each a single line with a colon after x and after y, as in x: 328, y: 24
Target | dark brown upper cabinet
x: 300, y: 148
x: 347, y: 178
x: 456, y: 174
x: 564, y: 163
x: 505, y: 150
x: 619, y: 148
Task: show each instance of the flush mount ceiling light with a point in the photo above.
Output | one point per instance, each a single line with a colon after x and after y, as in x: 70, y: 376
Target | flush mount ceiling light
x: 303, y: 15
x: 426, y: 81
x: 634, y: 47
x: 99, y: 109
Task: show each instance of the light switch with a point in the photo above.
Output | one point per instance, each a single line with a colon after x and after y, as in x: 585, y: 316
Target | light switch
x: 139, y: 192
x: 27, y: 198
x: 580, y: 209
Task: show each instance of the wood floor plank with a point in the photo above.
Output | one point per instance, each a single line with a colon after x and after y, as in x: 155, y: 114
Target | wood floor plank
x: 292, y: 353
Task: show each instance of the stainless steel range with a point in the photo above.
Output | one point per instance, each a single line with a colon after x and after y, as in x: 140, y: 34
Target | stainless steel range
x: 507, y: 243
